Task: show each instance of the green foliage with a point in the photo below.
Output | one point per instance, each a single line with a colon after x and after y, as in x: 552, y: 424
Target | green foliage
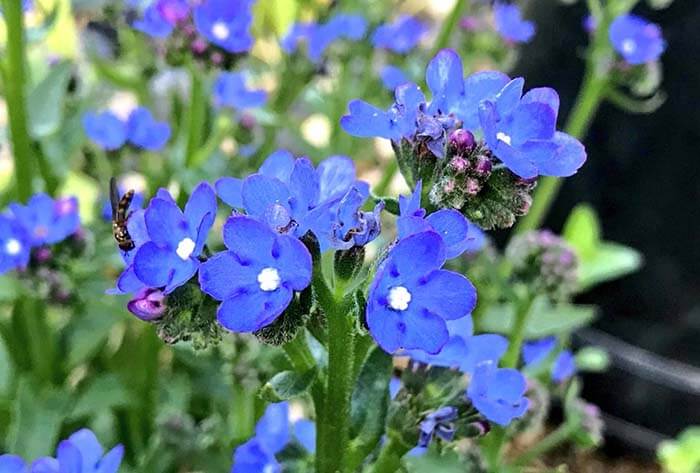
x: 46, y: 101
x: 287, y: 385
x: 681, y: 455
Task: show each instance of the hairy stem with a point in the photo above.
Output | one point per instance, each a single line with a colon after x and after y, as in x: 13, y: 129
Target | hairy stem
x: 196, y: 116
x: 389, y: 460
x: 554, y: 439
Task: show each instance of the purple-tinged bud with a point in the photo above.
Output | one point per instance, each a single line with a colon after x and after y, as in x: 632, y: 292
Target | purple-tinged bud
x: 42, y: 255
x: 189, y: 30
x: 481, y: 427
x: 448, y: 186
x: 217, y: 58
x: 248, y: 121
x: 148, y: 305
x: 173, y: 11
x: 524, y: 204
x: 470, y: 23
x: 483, y: 166
x: 459, y: 164
x: 471, y: 186
x: 199, y: 46
x: 462, y: 141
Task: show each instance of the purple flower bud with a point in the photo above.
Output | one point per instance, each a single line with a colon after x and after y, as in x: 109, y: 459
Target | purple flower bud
x: 42, y: 254
x: 248, y: 121
x: 148, y: 305
x: 217, y: 58
x: 459, y: 164
x: 525, y: 204
x: 471, y: 186
x: 199, y: 46
x: 173, y: 11
x: 483, y: 166
x: 470, y: 23
x: 462, y: 141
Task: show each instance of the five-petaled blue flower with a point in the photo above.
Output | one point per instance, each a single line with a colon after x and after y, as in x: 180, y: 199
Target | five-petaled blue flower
x: 47, y: 221
x: 230, y: 91
x: 170, y: 258
x: 320, y: 36
x: 411, y: 298
x: 400, y: 36
x: 498, y: 393
x: 226, y: 23
x: 510, y: 24
x: 105, y: 129
x: 145, y: 131
x: 14, y: 244
x: 636, y: 40
x: 256, y: 278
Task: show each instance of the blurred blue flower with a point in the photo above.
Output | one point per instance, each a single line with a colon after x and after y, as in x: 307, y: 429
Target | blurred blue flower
x: 230, y: 91
x: 438, y: 423
x: 81, y: 453
x: 536, y: 351
x: 256, y: 278
x: 170, y: 258
x: 305, y: 433
x: 153, y: 23
x: 411, y: 298
x: 105, y: 129
x: 12, y: 464
x: 253, y: 457
x: 564, y: 366
x: 173, y: 11
x: 145, y: 132
x: 498, y: 393
x: 400, y: 36
x: 271, y: 436
x: 47, y: 221
x: 226, y: 23
x: 392, y: 77
x: 510, y: 24
x: 320, y: 36
x: 14, y: 244
x: 636, y: 40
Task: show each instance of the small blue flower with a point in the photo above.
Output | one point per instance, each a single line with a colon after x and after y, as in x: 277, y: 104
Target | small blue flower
x: 253, y: 457
x: 256, y: 278
x: 226, y: 23
x: 411, y: 298
x: 438, y: 423
x: 320, y: 36
x: 536, y: 351
x: 47, y: 221
x: 498, y: 393
x: 105, y: 129
x: 564, y: 366
x: 81, y: 453
x: 170, y: 258
x: 230, y: 91
x: 392, y: 77
x: 145, y: 132
x: 401, y: 36
x: 510, y: 24
x: 14, y: 244
x: 153, y: 23
x: 297, y: 33
x: 636, y: 40
x: 305, y: 433
x: 352, y: 226
x: 271, y: 436
x: 12, y: 464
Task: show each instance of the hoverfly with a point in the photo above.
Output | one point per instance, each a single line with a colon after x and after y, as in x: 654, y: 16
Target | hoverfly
x: 120, y: 217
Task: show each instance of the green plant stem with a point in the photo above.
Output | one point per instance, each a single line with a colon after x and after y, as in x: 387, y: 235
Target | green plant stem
x: 492, y: 445
x: 552, y: 440
x: 448, y: 27
x: 517, y: 335
x: 302, y: 361
x: 196, y: 116
x: 15, y: 80
x: 389, y: 460
x: 387, y: 177
x: 223, y: 126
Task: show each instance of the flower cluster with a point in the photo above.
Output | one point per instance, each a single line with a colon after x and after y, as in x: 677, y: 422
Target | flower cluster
x: 536, y: 352
x: 141, y: 130
x: 319, y: 36
x: 510, y: 24
x: 230, y: 90
x: 80, y: 453
x: 636, y: 40
x: 400, y: 36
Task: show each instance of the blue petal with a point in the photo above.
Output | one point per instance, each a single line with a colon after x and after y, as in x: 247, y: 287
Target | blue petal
x: 569, y: 157
x: 507, y: 384
x: 144, y: 131
x: 158, y: 267
x: 392, y: 77
x: 521, y: 162
x: 45, y: 465
x: 223, y: 275
x: 253, y: 457
x: 229, y: 189
x: 418, y: 254
x: 200, y: 211
x: 410, y: 206
x: 445, y: 293
x: 367, y: 121
x: 336, y: 175
x: 165, y: 223
x: 252, y: 310
x: 564, y: 366
x: 478, y: 87
x: 11, y: 464
x: 445, y: 79
x: 293, y: 261
x: 127, y: 282
x: 303, y: 187
x: 536, y: 351
x: 407, y: 226
x: 453, y: 227
x: 105, y: 129
x: 305, y: 433
x: 409, y: 329
x: 272, y: 430
x: 249, y: 239
x: 462, y: 327
x: 260, y: 191
x: 544, y: 95
x: 230, y: 91
x: 69, y: 458
x: 279, y: 164
x: 532, y: 121
x: 481, y: 348
x: 510, y: 25
x: 509, y: 97
x: 153, y: 24
x: 88, y: 446
x: 111, y: 462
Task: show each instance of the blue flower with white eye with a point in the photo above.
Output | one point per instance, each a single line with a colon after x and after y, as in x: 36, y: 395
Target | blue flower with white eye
x: 15, y: 244
x: 498, y: 393
x: 411, y: 298
x: 510, y: 24
x: 230, y: 90
x: 400, y: 36
x: 145, y: 131
x: 226, y: 23
x: 521, y: 131
x: 47, y: 221
x: 153, y: 23
x: 439, y: 423
x: 256, y: 278
x: 177, y: 238
x: 320, y: 36
x: 636, y: 40
x: 105, y: 129
x: 81, y: 453
x: 392, y: 77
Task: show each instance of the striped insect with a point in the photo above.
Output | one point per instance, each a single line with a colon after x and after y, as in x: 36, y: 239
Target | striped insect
x: 120, y: 217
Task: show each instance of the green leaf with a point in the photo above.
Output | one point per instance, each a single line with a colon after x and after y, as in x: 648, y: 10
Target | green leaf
x: 582, y: 231
x: 683, y: 454
x: 545, y: 319
x: 592, y: 359
x: 371, y: 396
x: 45, y: 102
x: 433, y: 462
x: 9, y: 288
x: 88, y: 334
x: 287, y: 385
x: 610, y: 261
x: 38, y: 33
x: 104, y: 392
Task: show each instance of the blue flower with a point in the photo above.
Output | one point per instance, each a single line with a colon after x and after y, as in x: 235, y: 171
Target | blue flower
x: 256, y: 278
x: 510, y: 24
x: 394, y: 387
x: 400, y: 36
x: 352, y: 226
x: 320, y: 36
x: 411, y: 298
x: 173, y: 11
x: 81, y: 453
x: 271, y: 436
x: 12, y: 464
x: 170, y: 258
x: 536, y: 351
x: 392, y: 77
x: 564, y: 366
x: 105, y: 129
x: 521, y: 132
x: 226, y: 23
x: 230, y: 91
x: 498, y: 393
x: 636, y: 40
x: 14, y: 245
x: 153, y: 23
x: 438, y: 423
x: 136, y: 203
x: 47, y: 221
x: 128, y: 282
x: 305, y: 434
x: 145, y: 132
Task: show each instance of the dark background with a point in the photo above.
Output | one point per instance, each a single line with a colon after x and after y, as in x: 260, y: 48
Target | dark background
x: 642, y: 177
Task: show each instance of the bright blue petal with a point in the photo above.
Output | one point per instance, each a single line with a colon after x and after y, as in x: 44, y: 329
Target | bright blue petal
x: 544, y: 95
x: 478, y: 87
x: 260, y: 192
x: 509, y: 97
x: 153, y: 24
x: 568, y: 158
x: 401, y: 36
x: 165, y: 223
x: 272, y: 430
x: 249, y: 239
x: 252, y: 310
x: 367, y: 121
x: 445, y: 79
x: 510, y: 25
x: 111, y: 462
x: 564, y: 366
x: 200, y: 211
x: 305, y: 433
x: 254, y: 457
x: 303, y: 187
x: 145, y: 132
x: 532, y: 121
x: 453, y: 227
x: 69, y: 458
x: 223, y: 275
x: 89, y: 448
x: 105, y: 129
x: 336, y: 174
x: 481, y: 348
x: 229, y: 189
x: 392, y: 77
x: 446, y: 293
x: 418, y: 254
x: 45, y: 465
x: 230, y: 91
x: 12, y: 464
x: 279, y: 164
x: 410, y: 206
x: 536, y: 351
x: 407, y: 226
x: 293, y: 261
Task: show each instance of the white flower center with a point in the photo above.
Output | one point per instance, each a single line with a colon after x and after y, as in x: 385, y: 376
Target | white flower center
x: 399, y: 297
x: 269, y: 279
x: 185, y: 248
x: 12, y: 247
x: 629, y: 46
x: 269, y: 468
x: 220, y: 30
x: 503, y: 137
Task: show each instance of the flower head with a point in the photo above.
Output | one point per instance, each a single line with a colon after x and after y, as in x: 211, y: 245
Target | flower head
x: 256, y: 278
x: 230, y: 91
x: 226, y: 23
x: 170, y: 258
x: 411, y: 298
x: 438, y: 423
x: 636, y: 40
x: 145, y: 132
x: 12, y: 464
x: 15, y: 244
x: 498, y: 393
x: 81, y: 453
x: 401, y: 36
x: 153, y: 23
x: 510, y: 24
x: 45, y: 220
x: 392, y: 77
x: 319, y: 36
x: 105, y: 129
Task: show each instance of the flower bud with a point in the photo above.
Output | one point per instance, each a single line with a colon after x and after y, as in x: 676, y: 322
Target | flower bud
x: 483, y: 166
x: 148, y: 305
x: 462, y: 141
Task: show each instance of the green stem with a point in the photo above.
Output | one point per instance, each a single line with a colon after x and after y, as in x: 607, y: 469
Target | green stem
x: 492, y: 445
x: 223, y: 126
x: 15, y: 81
x: 517, y: 335
x: 555, y: 438
x: 387, y: 177
x: 196, y: 115
x: 302, y: 361
x: 448, y: 27
x: 389, y: 460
